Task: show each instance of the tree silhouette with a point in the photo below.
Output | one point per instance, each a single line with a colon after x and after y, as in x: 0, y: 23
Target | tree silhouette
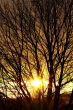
x: 34, y: 34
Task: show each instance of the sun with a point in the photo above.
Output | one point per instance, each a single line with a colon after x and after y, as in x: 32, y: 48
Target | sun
x: 36, y: 83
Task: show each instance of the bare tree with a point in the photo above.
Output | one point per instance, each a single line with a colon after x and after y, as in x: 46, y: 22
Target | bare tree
x: 35, y: 33
x: 12, y: 46
x: 55, y: 20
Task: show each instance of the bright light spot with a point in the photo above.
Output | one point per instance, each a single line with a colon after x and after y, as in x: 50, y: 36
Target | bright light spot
x: 36, y: 83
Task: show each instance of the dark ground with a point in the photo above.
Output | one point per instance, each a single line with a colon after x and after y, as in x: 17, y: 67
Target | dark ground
x: 22, y: 104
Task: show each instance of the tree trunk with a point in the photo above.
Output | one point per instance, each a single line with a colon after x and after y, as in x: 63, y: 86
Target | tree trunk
x: 49, y: 94
x: 56, y: 98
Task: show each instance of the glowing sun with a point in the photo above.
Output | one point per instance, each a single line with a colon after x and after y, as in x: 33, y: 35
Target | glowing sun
x: 36, y: 83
